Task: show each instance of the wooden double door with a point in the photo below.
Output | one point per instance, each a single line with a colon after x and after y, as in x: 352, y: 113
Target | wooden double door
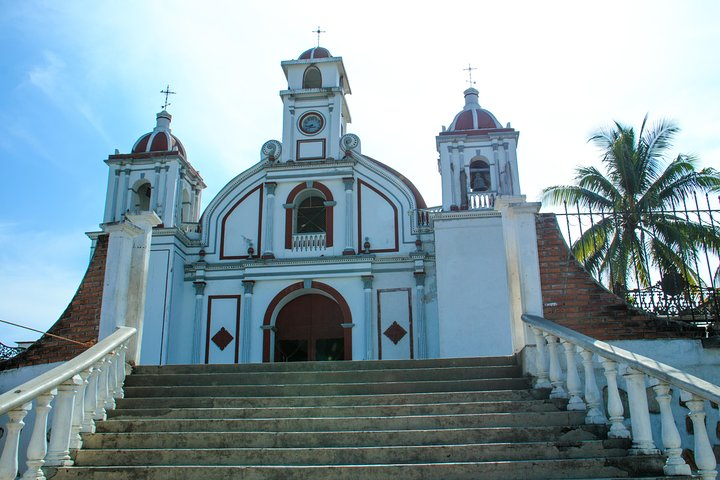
x: 309, y: 328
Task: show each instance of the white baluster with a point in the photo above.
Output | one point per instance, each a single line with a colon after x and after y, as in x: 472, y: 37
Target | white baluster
x: 573, y: 379
x: 91, y: 401
x: 615, y: 406
x: 541, y: 361
x: 102, y: 391
x: 114, y: 358
x: 58, y: 450
x: 639, y: 414
x: 37, y: 448
x: 120, y: 371
x: 704, y: 456
x: 595, y: 415
x: 9, y: 458
x: 675, y: 464
x: 555, y: 370
x: 79, y: 411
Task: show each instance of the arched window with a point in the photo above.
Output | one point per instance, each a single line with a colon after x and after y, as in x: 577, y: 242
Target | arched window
x: 312, y: 78
x: 142, y: 196
x: 480, y: 176
x: 310, y: 215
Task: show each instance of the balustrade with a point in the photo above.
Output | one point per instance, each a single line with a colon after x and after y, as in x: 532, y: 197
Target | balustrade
x: 79, y: 391
x: 638, y: 372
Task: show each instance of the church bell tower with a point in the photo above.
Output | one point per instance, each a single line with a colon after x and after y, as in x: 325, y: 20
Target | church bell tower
x: 315, y: 112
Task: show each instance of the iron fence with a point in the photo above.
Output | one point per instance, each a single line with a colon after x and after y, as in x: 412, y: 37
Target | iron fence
x: 689, y: 293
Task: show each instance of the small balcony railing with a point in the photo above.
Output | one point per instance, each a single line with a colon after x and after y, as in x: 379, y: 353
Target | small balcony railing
x: 308, y: 242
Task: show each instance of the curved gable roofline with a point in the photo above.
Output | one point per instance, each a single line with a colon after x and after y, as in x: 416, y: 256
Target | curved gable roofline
x: 419, y: 200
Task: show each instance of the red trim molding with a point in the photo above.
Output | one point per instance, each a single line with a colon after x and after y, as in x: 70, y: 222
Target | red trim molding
x: 237, y: 325
x: 289, y: 212
x: 361, y: 239
x: 258, y: 247
x: 344, y: 308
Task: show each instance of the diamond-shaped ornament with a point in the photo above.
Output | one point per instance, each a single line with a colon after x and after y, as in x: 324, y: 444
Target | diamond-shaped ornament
x: 395, y: 332
x: 222, y: 338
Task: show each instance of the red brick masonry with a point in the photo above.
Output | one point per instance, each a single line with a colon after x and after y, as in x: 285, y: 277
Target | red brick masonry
x: 573, y: 298
x: 80, y: 321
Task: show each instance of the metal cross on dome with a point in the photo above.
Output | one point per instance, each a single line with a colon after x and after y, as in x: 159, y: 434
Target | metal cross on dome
x: 318, y: 31
x: 469, y: 70
x: 167, y: 93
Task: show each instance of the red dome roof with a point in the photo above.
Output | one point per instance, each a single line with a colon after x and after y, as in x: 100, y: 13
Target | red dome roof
x: 160, y: 139
x: 316, y: 52
x: 473, y: 117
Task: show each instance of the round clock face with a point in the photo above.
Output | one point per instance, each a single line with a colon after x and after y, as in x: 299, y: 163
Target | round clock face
x: 311, y: 123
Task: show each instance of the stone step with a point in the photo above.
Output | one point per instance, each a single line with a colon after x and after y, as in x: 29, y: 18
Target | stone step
x: 348, y: 438
x: 517, y: 419
x: 338, y: 411
x: 314, y: 377
x: 372, y: 455
x: 328, y: 388
x: 383, y: 365
x: 585, y: 468
x: 330, y: 400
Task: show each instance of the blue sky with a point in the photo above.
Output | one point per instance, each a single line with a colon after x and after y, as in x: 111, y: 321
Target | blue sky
x: 80, y: 79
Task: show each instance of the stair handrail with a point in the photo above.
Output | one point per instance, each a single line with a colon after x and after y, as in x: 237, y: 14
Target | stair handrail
x: 694, y: 392
x: 83, y: 388
x: 661, y: 371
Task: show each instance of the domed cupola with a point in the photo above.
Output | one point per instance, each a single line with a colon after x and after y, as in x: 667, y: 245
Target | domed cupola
x: 314, y: 53
x: 472, y: 116
x: 160, y: 139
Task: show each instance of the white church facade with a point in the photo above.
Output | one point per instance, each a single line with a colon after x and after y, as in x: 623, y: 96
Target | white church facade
x: 320, y: 252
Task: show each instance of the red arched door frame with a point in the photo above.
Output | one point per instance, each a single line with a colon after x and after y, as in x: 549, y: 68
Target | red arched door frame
x: 273, y: 308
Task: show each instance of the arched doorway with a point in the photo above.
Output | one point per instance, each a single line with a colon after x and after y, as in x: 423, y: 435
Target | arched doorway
x: 309, y: 328
x: 325, y: 318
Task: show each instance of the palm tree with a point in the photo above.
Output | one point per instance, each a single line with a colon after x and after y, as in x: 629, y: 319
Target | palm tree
x: 638, y: 198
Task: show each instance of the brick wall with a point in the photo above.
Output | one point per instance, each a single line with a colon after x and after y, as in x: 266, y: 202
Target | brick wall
x: 573, y: 298
x: 80, y: 321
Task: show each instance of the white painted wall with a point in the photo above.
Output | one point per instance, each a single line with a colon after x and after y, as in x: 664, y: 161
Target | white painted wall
x: 472, y: 286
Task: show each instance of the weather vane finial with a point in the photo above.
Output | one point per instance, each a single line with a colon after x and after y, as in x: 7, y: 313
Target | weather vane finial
x: 167, y: 93
x: 469, y: 70
x: 318, y: 31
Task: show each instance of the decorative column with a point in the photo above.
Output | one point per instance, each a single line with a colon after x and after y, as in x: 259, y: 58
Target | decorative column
x: 595, y: 415
x: 246, y: 320
x: 348, y: 182
x: 113, y: 214
x: 614, y: 407
x: 555, y: 370
x: 177, y: 214
x: 420, y: 316
x: 156, y: 189
x: 367, y: 289
x: 79, y: 411
x: 675, y: 464
x: 37, y: 448
x: 197, y: 323
x: 573, y: 379
x: 704, y: 455
x: 137, y: 291
x: 639, y: 414
x: 162, y: 189
x: 88, y: 425
x: 541, y: 361
x: 126, y: 197
x: 59, y: 448
x: 9, y: 458
x: 269, y: 219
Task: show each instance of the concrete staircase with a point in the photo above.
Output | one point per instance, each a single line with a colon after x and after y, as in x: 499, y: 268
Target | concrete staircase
x: 452, y: 419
